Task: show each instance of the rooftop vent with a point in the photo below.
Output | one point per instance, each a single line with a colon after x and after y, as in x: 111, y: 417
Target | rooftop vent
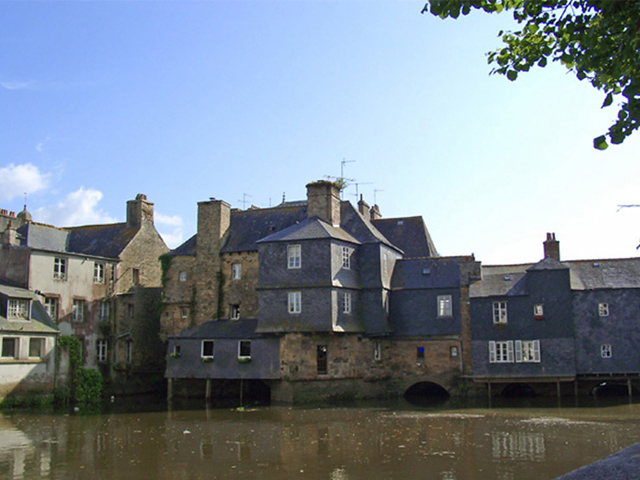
x: 426, y: 271
x: 596, y: 264
x: 507, y: 278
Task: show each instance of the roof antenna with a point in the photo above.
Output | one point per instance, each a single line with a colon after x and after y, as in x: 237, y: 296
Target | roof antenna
x: 244, y: 200
x: 284, y: 197
x: 375, y: 192
x: 25, y: 201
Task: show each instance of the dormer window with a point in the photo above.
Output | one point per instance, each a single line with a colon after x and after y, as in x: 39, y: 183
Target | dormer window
x: 603, y: 309
x: 538, y: 311
x: 18, y: 309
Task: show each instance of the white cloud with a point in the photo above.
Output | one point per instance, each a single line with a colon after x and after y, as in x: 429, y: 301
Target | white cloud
x: 77, y: 208
x: 9, y: 85
x: 20, y: 179
x: 175, y: 237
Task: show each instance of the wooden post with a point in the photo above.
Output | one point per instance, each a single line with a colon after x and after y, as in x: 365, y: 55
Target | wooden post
x: 558, y: 388
x: 207, y: 393
x: 169, y: 389
x: 241, y: 392
x: 575, y: 387
x: 629, y: 388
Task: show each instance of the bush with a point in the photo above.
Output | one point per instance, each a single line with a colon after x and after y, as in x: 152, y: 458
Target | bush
x: 88, y: 386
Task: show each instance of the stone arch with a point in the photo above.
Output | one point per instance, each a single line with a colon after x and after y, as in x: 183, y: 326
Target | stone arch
x: 426, y: 390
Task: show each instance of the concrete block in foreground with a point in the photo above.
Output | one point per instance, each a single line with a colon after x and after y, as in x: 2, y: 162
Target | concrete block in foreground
x: 624, y: 465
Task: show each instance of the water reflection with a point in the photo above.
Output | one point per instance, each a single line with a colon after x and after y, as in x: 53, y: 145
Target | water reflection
x: 393, y: 441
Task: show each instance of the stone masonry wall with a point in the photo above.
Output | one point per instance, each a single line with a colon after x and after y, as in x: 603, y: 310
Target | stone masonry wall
x: 240, y: 291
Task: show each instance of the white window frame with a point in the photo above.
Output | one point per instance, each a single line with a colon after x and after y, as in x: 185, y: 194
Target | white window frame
x: 377, y: 351
x: 240, y: 345
x: 182, y: 276
x: 60, y: 268
x: 501, y: 352
x: 606, y: 350
x: 184, y: 312
x: 294, y: 256
x: 102, y: 350
x: 41, y: 341
x: 603, y: 309
x: 538, y: 310
x: 16, y: 348
x: 234, y: 311
x: 98, y: 272
x: 500, y: 313
x: 346, y: 258
x: 202, y: 344
x: 346, y: 303
x: 527, y: 351
x: 51, y: 306
x: 445, y: 306
x: 104, y: 311
x: 295, y: 303
x: 236, y: 271
x: 18, y: 309
x: 77, y: 312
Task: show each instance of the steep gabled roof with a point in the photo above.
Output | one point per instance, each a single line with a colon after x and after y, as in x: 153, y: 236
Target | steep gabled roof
x: 500, y: 280
x: 363, y: 230
x: 310, y: 229
x: 187, y: 248
x: 43, y: 237
x: 608, y: 273
x: 100, y: 240
x: 39, y: 322
x: 420, y: 273
x: 410, y: 234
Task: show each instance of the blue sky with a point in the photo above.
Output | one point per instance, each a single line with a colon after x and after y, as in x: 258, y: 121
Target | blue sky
x: 186, y: 100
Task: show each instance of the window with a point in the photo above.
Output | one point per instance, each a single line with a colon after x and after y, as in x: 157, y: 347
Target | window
x: 128, y: 353
x: 177, y: 351
x: 321, y: 359
x: 60, y: 268
x: 244, y: 349
x: 346, y: 302
x: 101, y: 351
x: 104, y: 311
x: 184, y: 312
x: 453, y: 351
x: 36, y: 347
x: 603, y: 309
x: 207, y: 349
x: 377, y: 351
x: 346, y: 258
x: 501, y: 352
x: 131, y: 310
x: 135, y: 276
x: 445, y: 308
x: 538, y: 311
x: 18, y: 309
x: 51, y: 306
x: 236, y: 271
x: 295, y: 302
x: 420, y: 354
x: 499, y: 312
x: 294, y: 256
x: 527, y: 351
x: 77, y: 314
x: 10, y: 347
x: 605, y: 351
x: 113, y: 273
x: 234, y: 311
x: 183, y: 276
x: 98, y: 272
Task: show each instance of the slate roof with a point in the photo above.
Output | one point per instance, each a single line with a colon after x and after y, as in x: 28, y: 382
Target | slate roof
x: 96, y: 240
x: 310, y: 229
x: 410, y: 234
x: 40, y: 322
x: 500, y: 280
x: 187, y: 248
x: 420, y: 273
x: 363, y: 230
x: 218, y: 329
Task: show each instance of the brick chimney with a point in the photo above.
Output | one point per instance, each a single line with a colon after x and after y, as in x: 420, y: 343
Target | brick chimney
x: 139, y: 211
x: 552, y: 247
x: 375, y: 212
x: 363, y: 208
x: 323, y: 201
x: 214, y: 218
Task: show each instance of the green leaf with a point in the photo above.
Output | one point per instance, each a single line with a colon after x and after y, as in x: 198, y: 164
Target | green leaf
x: 512, y: 75
x: 607, y: 101
x: 600, y: 143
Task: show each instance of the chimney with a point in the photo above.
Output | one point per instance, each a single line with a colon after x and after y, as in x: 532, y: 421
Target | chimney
x: 375, y: 212
x: 214, y: 218
x: 363, y: 208
x: 552, y: 247
x: 323, y: 201
x: 139, y: 211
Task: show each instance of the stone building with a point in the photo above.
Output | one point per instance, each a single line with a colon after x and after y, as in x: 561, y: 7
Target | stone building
x: 100, y: 283
x: 307, y: 300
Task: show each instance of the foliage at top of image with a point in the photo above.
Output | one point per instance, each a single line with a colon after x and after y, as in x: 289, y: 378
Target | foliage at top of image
x: 598, y: 40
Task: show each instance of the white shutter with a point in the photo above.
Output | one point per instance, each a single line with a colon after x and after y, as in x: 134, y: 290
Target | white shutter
x: 518, y: 351
x: 492, y: 352
x: 510, y: 351
x: 536, y: 351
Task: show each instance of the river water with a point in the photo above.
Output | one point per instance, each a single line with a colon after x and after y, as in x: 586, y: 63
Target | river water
x: 391, y: 440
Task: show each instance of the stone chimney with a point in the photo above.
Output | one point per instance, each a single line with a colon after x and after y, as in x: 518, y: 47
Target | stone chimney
x: 552, y: 247
x: 375, y: 213
x: 323, y: 201
x: 139, y: 212
x: 214, y: 218
x: 363, y: 208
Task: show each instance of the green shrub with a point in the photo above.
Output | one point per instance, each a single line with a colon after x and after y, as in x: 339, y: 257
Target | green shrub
x: 88, y: 386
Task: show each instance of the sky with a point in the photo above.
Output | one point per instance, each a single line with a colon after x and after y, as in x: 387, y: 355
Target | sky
x: 250, y: 101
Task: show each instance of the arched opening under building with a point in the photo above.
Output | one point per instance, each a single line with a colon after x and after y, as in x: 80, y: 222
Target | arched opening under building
x: 614, y: 389
x: 426, y: 393
x: 518, y: 390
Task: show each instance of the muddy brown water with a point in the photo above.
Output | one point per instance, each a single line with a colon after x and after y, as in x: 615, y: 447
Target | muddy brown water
x: 138, y: 440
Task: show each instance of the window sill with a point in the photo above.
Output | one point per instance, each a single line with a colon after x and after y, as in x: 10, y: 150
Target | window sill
x: 206, y: 359
x: 244, y: 359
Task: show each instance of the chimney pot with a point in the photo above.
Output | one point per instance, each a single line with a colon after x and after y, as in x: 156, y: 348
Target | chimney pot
x: 552, y: 247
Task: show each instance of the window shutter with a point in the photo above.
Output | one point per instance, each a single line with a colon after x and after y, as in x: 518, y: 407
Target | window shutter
x: 536, y: 351
x: 492, y: 352
x: 510, y: 351
x: 518, y: 351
